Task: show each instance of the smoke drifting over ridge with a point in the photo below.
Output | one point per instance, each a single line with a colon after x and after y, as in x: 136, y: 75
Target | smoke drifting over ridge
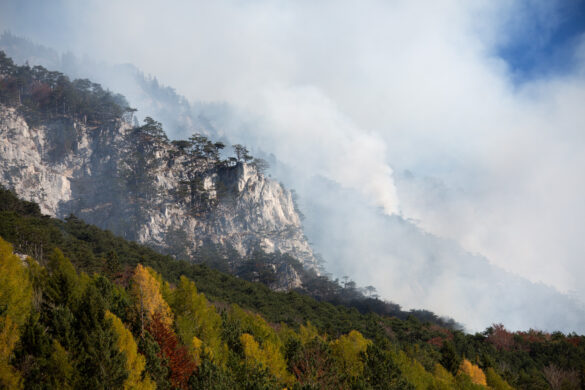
x: 409, y: 105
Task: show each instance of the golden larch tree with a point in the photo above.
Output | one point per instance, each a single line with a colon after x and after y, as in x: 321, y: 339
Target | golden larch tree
x: 135, y: 362
x: 148, y: 298
x: 474, y: 372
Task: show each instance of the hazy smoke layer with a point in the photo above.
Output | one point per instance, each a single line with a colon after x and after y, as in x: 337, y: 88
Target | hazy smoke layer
x: 408, y: 104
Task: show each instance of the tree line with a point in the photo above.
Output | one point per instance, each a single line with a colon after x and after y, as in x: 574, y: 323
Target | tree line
x: 39, y: 92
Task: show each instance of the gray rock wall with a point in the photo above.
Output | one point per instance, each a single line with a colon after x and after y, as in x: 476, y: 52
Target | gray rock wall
x: 71, y: 168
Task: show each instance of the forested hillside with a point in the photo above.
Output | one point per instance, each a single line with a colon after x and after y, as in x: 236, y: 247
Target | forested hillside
x: 87, y: 309
x: 70, y: 145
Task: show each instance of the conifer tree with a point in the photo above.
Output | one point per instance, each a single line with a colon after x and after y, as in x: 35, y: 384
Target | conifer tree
x: 156, y: 363
x: 100, y: 363
x: 63, y: 285
x: 449, y: 358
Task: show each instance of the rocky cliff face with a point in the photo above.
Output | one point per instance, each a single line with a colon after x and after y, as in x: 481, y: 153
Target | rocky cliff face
x: 145, y: 188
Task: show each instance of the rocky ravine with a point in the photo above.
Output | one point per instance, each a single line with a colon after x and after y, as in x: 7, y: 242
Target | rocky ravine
x: 136, y: 187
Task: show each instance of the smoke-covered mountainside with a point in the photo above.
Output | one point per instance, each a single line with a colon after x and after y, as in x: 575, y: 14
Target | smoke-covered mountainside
x: 179, y: 117
x: 435, y: 272
x: 81, y: 157
x: 71, y: 147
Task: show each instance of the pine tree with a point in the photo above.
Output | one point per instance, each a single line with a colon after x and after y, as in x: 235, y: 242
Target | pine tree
x: 380, y: 371
x: 156, y: 364
x: 100, y: 363
x: 63, y: 285
x: 449, y: 358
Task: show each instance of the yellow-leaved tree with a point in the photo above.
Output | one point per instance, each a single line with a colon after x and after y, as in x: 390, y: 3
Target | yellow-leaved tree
x: 308, y: 333
x: 347, y: 349
x: 15, y: 285
x: 135, y: 362
x: 255, y: 325
x: 148, y: 298
x: 267, y: 355
x: 495, y: 381
x: 9, y: 377
x: 262, y: 343
x: 474, y: 372
x: 198, y: 323
x: 15, y: 304
x: 442, y: 375
x: 60, y: 368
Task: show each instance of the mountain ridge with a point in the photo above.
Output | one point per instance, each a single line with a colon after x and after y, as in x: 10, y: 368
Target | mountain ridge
x: 93, y: 181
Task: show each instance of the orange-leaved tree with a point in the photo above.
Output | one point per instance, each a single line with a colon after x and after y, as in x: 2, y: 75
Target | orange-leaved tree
x: 180, y: 361
x: 474, y: 372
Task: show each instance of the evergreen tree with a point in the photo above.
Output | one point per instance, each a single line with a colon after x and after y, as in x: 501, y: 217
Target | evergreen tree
x: 63, y: 286
x: 449, y: 358
x: 156, y: 363
x: 100, y: 363
x: 380, y: 371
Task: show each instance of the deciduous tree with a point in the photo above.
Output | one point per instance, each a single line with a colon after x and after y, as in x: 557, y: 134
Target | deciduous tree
x: 135, y: 362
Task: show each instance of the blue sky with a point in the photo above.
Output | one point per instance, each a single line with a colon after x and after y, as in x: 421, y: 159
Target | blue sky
x: 542, y: 42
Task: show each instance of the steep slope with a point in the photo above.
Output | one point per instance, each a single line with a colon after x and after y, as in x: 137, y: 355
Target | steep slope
x: 75, y: 157
x: 134, y: 184
x: 416, y: 351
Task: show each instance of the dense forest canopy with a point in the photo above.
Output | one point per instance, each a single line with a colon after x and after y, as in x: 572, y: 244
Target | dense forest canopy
x: 97, y: 311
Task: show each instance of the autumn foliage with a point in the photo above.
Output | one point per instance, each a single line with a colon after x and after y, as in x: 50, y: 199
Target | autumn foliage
x: 135, y: 362
x: 180, y: 361
x: 474, y: 372
x: 500, y: 337
x: 149, y: 301
x: 69, y: 330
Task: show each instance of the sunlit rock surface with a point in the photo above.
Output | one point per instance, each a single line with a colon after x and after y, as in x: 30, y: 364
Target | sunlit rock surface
x: 69, y: 167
